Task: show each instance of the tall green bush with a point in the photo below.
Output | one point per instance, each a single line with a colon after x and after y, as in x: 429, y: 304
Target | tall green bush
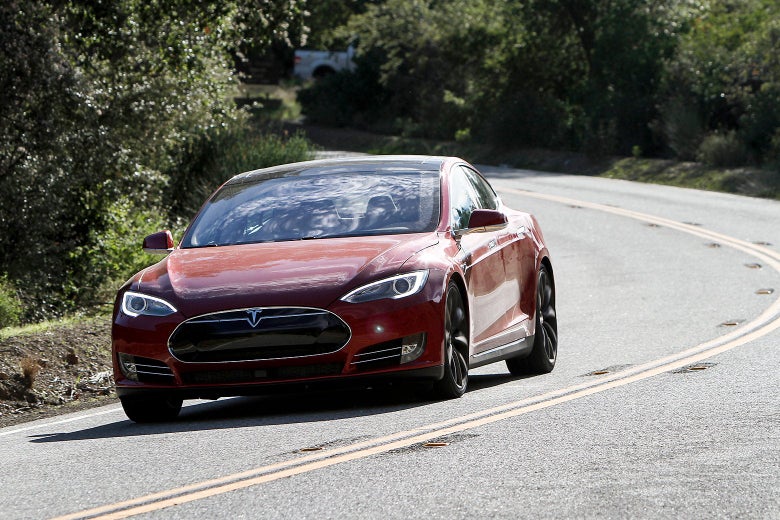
x: 728, y: 70
x: 722, y: 150
x: 99, y: 99
x: 221, y: 154
x: 355, y: 98
x: 10, y: 304
x: 537, y: 73
x: 114, y: 252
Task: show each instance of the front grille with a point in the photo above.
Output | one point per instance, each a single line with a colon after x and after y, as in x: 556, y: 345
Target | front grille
x: 257, y: 334
x: 379, y: 355
x: 152, y: 371
x: 265, y: 374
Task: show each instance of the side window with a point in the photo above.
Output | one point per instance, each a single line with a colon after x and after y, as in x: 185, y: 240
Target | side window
x: 486, y: 197
x: 462, y: 199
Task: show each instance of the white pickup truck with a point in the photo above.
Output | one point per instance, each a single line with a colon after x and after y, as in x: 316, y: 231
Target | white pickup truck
x: 316, y: 64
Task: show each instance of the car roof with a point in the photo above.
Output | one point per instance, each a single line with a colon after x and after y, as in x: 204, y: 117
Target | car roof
x: 349, y: 164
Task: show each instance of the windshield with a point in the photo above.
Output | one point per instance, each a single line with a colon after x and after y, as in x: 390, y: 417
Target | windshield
x: 316, y: 205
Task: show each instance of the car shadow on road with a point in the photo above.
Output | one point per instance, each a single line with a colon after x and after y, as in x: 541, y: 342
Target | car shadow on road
x: 277, y: 409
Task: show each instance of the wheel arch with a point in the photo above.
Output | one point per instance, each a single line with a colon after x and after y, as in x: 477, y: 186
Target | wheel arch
x: 545, y: 261
x: 548, y: 265
x: 322, y: 70
x: 458, y: 280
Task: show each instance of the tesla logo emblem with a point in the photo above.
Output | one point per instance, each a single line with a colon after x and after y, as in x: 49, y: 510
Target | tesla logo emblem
x: 254, y: 317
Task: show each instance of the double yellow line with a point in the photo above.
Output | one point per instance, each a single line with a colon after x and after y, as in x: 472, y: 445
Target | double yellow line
x: 764, y: 324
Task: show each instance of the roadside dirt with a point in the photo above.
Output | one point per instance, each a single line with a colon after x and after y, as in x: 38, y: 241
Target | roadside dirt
x: 62, y: 369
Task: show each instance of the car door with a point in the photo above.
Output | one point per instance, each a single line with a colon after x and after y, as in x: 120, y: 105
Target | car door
x: 518, y: 257
x: 481, y: 260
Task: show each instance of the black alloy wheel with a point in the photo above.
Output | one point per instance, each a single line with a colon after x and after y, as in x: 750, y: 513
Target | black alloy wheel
x: 151, y: 409
x: 456, y: 347
x: 545, y: 350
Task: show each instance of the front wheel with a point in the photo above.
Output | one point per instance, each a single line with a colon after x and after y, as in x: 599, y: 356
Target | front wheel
x: 545, y: 350
x: 151, y: 409
x: 456, y: 347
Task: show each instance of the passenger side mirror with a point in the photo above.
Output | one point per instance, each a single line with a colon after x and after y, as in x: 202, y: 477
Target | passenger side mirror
x: 486, y: 217
x: 160, y: 243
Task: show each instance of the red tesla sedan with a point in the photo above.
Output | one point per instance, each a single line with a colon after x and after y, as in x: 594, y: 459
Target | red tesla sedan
x: 399, y: 267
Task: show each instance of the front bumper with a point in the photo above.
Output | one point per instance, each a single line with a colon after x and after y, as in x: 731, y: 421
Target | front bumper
x: 373, y: 351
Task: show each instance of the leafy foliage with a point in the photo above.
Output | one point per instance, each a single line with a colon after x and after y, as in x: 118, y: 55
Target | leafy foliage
x: 101, y: 99
x: 558, y: 73
x: 218, y: 155
x: 605, y: 76
x: 114, y: 252
x: 727, y: 70
x: 117, y: 115
x: 722, y: 150
x: 10, y: 305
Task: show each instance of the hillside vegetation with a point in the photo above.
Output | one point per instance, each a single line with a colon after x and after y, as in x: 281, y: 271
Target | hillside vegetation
x: 688, y: 80
x: 119, y: 117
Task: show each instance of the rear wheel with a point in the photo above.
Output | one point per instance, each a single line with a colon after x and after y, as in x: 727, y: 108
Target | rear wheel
x: 456, y: 347
x: 151, y: 409
x: 545, y: 351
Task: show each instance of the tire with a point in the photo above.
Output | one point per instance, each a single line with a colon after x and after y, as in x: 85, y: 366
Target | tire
x: 545, y: 350
x: 151, y: 409
x: 456, y: 347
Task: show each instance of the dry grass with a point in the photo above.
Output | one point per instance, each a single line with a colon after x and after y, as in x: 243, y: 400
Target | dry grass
x: 30, y: 368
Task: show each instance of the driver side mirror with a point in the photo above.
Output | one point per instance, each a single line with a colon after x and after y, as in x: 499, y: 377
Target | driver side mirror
x: 486, y: 218
x: 160, y: 243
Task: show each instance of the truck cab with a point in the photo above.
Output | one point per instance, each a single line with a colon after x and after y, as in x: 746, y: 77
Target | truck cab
x: 315, y: 64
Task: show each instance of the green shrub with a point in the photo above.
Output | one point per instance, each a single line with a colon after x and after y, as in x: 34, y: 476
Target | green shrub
x: 463, y: 135
x: 524, y: 119
x: 114, y: 253
x: 350, y: 98
x: 601, y: 140
x: 681, y: 128
x: 760, y: 122
x: 219, y: 155
x: 98, y: 100
x: 10, y: 305
x: 722, y: 150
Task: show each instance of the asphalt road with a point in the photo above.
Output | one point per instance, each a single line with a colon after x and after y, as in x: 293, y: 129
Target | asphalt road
x: 623, y: 428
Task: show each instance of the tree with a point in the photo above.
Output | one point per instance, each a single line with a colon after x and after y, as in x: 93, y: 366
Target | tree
x: 556, y: 73
x: 102, y: 100
x: 727, y: 72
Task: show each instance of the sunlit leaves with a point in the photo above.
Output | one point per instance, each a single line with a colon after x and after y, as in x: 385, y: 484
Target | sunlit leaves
x: 101, y: 99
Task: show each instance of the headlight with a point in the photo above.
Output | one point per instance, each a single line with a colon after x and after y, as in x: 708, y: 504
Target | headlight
x: 135, y: 304
x: 393, y: 288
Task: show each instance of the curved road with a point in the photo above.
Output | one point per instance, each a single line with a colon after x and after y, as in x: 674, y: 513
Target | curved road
x: 665, y: 402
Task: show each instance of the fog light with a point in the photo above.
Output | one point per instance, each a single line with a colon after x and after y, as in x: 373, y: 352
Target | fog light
x: 127, y: 364
x: 412, y: 347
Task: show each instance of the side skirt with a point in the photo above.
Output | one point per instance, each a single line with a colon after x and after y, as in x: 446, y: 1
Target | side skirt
x: 520, y: 348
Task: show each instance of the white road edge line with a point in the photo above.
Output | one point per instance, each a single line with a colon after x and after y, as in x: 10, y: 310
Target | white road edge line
x: 62, y: 421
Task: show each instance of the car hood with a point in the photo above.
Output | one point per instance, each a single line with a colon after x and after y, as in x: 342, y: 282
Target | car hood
x: 307, y: 273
